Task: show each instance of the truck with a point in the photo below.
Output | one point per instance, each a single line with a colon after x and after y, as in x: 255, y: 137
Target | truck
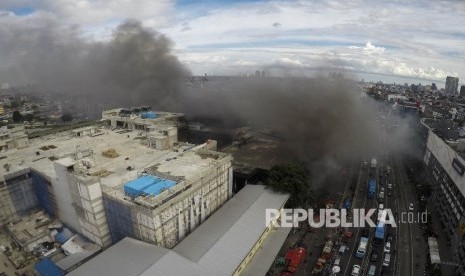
x: 373, y: 163
x: 371, y: 188
x: 294, y: 257
x: 362, y: 248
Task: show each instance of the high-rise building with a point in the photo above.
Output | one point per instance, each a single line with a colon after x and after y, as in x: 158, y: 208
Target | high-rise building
x: 462, y: 91
x: 452, y: 84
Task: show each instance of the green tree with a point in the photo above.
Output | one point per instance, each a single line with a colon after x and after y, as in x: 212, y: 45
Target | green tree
x: 17, y: 117
x: 67, y: 117
x: 291, y: 179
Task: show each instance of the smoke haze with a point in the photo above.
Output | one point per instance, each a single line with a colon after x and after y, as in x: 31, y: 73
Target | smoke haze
x: 324, y: 123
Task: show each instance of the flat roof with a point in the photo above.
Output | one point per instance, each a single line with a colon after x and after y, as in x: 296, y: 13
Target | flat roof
x: 133, y: 157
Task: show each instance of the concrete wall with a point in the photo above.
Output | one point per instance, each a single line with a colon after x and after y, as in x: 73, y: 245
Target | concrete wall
x: 66, y: 211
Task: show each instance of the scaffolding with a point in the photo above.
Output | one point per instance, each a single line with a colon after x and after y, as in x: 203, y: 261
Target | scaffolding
x: 119, y: 217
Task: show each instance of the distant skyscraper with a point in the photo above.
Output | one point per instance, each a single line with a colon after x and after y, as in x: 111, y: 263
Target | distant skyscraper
x: 433, y: 86
x: 462, y: 91
x: 452, y: 84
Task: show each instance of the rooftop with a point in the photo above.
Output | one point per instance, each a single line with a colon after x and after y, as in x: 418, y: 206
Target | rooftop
x: 216, y: 247
x: 131, y: 157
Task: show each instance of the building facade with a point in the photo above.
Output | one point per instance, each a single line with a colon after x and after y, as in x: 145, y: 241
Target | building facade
x: 446, y: 169
x: 452, y: 84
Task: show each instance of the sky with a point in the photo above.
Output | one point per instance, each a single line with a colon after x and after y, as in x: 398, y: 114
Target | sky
x: 418, y: 41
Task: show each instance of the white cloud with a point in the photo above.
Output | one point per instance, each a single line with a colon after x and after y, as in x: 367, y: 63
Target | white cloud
x: 413, y: 38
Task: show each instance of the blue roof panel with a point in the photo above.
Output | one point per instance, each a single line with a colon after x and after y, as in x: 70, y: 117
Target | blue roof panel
x: 148, y: 184
x: 48, y: 268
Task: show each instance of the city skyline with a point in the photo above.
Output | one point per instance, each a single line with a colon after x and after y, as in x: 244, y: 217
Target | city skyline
x: 395, y: 41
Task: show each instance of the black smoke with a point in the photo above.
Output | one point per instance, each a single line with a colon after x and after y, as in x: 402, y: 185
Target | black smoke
x: 323, y: 122
x: 134, y: 66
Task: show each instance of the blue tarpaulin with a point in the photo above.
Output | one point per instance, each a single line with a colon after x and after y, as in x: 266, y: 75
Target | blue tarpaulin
x: 147, y: 185
x: 48, y: 268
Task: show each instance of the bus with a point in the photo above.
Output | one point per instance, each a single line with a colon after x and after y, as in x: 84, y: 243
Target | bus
x: 362, y: 248
x: 372, y: 188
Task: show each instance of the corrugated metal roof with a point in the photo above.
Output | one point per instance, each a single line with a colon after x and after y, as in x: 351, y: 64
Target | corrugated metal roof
x: 129, y: 257
x: 216, y: 247
x: 227, y: 253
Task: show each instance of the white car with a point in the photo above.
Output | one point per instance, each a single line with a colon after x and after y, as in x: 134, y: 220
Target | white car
x: 389, y: 186
x: 381, y: 207
x: 387, y: 247
x: 410, y: 207
x: 356, y: 270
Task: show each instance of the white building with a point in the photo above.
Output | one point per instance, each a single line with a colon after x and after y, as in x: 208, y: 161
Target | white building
x: 75, y: 175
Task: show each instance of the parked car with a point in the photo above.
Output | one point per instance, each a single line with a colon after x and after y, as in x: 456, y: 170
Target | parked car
x: 355, y: 270
x: 410, y: 207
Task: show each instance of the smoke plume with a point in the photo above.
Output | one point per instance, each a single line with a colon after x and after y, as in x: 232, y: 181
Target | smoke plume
x: 134, y: 66
x: 322, y: 122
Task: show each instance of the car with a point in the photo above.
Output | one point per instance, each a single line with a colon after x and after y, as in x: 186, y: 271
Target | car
x: 387, y: 259
x: 342, y: 249
x: 389, y: 186
x: 381, y: 189
x: 381, y: 206
x: 410, y: 207
x: 355, y: 270
x: 337, y: 262
x: 373, y: 256
x: 372, y: 270
x: 387, y: 247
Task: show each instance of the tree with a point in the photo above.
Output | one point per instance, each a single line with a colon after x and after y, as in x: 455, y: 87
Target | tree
x: 291, y: 179
x: 17, y: 117
x: 67, y: 117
